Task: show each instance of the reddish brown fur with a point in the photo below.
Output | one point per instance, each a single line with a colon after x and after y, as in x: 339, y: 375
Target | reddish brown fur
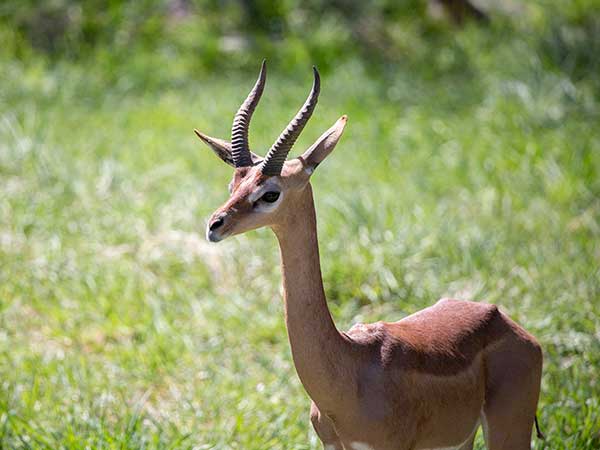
x: 423, y: 379
x: 421, y: 383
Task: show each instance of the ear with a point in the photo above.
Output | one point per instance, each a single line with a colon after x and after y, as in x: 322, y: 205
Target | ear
x: 223, y: 148
x: 324, y: 145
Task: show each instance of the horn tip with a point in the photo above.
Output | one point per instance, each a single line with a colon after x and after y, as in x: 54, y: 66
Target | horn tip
x: 317, y: 81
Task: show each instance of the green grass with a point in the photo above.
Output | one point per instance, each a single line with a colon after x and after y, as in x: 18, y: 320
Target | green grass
x: 472, y: 172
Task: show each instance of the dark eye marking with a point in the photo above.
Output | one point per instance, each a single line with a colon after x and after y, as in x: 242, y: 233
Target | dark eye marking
x: 270, y: 196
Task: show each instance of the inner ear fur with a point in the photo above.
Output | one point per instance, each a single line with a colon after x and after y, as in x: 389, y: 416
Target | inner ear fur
x: 222, y: 149
x: 325, y: 144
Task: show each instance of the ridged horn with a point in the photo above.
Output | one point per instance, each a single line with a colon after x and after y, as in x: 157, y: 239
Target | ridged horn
x: 240, y: 150
x: 273, y: 162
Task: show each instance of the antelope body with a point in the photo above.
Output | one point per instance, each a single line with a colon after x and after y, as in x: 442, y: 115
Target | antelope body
x: 425, y: 382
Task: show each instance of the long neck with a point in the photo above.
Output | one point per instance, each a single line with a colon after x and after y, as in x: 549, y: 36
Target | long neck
x: 319, y: 351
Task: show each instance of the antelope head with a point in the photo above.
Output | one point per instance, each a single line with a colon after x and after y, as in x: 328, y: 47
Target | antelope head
x: 265, y: 190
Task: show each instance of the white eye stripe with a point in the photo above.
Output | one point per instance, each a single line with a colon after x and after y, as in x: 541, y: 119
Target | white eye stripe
x: 270, y: 185
x: 267, y: 207
x: 256, y: 195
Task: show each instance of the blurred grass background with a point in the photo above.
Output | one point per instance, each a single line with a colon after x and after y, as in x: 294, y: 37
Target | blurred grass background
x: 470, y: 168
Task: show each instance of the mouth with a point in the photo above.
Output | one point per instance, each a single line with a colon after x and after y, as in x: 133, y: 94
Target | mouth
x: 216, y: 229
x: 214, y: 235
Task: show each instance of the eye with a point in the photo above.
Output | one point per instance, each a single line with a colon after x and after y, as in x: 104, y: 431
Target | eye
x: 270, y: 196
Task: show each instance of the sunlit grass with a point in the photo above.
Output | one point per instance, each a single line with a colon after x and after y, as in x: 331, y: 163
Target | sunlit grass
x: 120, y: 327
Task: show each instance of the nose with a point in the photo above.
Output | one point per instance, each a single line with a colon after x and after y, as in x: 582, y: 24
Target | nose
x: 216, y: 223
x: 212, y: 230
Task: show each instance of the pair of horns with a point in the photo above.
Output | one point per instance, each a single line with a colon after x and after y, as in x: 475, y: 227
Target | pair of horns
x: 273, y: 161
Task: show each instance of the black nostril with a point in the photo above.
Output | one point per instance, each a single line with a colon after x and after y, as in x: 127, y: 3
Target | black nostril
x: 216, y: 224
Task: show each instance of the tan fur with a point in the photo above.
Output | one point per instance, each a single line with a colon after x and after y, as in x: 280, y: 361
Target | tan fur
x: 424, y: 382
